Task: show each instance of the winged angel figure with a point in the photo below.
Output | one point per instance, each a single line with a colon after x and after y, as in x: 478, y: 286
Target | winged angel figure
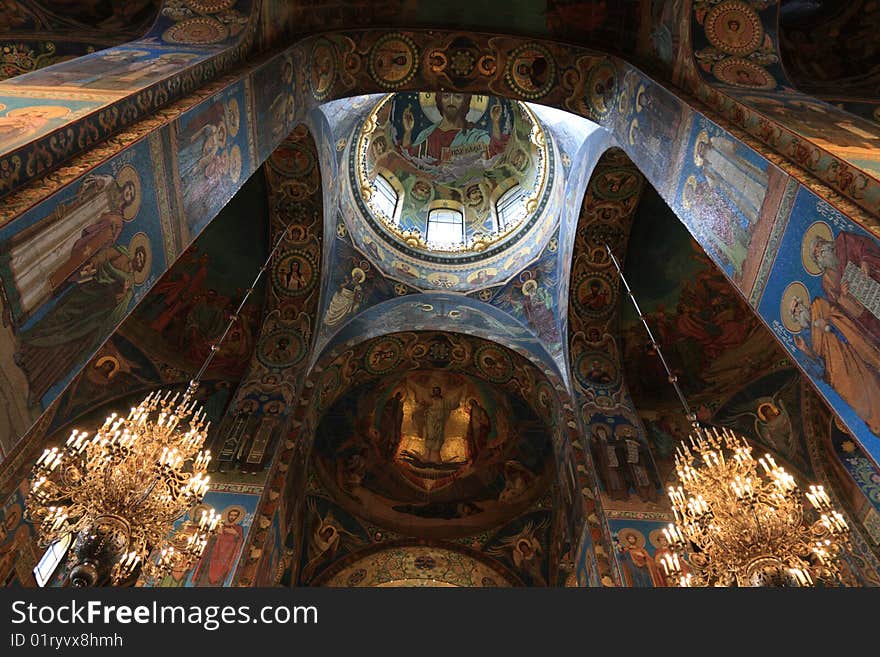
x: 525, y: 550
x: 771, y: 420
x: 328, y: 538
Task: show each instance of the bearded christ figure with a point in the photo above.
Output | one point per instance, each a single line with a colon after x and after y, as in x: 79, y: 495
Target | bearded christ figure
x: 453, y: 132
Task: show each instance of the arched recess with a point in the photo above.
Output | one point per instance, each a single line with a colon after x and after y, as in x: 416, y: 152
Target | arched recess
x: 162, y: 344
x: 654, y: 126
x: 606, y: 413
x: 733, y: 372
x: 829, y: 50
x: 268, y: 387
x: 440, y: 311
x: 458, y: 355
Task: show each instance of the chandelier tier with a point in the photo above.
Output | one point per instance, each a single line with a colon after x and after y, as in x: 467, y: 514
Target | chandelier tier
x: 741, y: 521
x: 120, y: 492
x: 744, y: 522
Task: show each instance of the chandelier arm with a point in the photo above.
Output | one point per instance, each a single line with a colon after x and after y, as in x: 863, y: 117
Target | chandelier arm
x: 146, y: 494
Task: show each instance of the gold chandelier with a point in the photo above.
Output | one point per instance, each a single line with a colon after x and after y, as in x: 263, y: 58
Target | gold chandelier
x: 738, y: 524
x: 120, y: 492
x: 741, y: 521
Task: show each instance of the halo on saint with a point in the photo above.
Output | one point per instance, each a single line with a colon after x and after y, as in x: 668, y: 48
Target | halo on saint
x: 242, y: 512
x: 795, y: 290
x: 441, y: 278
x: 627, y: 531
x: 655, y: 536
x: 358, y: 275
x: 702, y: 138
x: 428, y: 102
x: 530, y: 287
x: 632, y: 131
x: 688, y: 192
x: 818, y: 229
x: 128, y: 174
x: 640, y: 94
x: 234, y: 163
x: 141, y: 241
x: 767, y: 409
x: 233, y: 117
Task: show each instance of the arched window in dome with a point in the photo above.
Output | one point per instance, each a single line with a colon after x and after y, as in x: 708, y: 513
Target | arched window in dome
x: 445, y: 227
x: 510, y: 208
x: 386, y: 198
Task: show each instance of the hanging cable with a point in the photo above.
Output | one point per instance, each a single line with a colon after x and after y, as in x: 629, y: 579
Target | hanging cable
x: 691, y: 416
x: 194, y: 383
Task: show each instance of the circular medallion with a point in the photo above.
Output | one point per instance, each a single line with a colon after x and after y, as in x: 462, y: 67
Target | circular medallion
x: 294, y: 273
x: 462, y: 63
x: 616, y: 184
x: 742, y: 73
x: 383, y: 355
x: 196, y: 31
x: 602, y: 87
x: 593, y: 369
x: 393, y: 60
x: 292, y: 160
x: 322, y: 68
x: 734, y: 27
x: 609, y: 211
x: 593, y: 295
x: 494, y: 364
x: 281, y: 349
x: 546, y: 400
x: 210, y: 6
x: 530, y: 71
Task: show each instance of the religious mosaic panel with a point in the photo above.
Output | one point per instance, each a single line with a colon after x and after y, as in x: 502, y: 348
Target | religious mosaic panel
x: 440, y: 452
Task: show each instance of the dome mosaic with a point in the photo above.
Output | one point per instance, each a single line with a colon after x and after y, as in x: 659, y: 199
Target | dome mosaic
x: 449, y: 177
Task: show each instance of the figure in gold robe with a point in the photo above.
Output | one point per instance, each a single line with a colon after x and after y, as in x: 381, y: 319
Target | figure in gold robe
x: 842, y: 354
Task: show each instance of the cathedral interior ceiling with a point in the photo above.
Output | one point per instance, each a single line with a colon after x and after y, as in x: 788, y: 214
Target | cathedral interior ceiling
x: 753, y: 256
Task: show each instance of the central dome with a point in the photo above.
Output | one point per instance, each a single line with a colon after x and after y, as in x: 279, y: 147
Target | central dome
x: 448, y: 176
